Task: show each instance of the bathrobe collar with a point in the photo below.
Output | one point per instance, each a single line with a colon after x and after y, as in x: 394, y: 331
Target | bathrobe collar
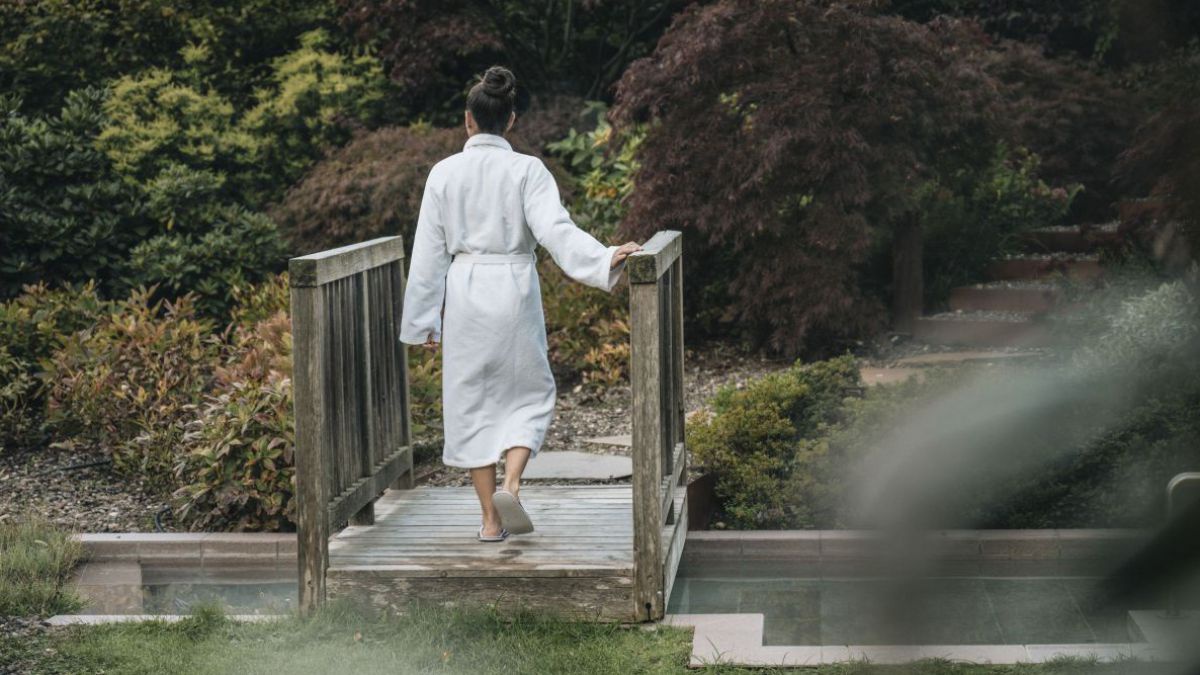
x: 487, y: 139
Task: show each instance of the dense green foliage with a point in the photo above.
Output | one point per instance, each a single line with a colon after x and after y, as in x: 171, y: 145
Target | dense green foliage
x: 1089, y: 443
x: 48, y: 49
x: 970, y: 218
x: 755, y: 441
x: 66, y: 214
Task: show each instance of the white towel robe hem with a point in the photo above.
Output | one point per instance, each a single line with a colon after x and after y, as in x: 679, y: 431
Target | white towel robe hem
x: 497, y: 388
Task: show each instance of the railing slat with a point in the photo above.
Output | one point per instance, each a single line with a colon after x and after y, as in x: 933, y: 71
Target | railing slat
x: 350, y: 372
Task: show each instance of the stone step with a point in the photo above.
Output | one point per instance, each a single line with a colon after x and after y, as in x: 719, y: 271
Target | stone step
x: 1033, y: 267
x: 964, y: 356
x: 1071, y: 238
x: 1004, y: 296
x: 982, y: 329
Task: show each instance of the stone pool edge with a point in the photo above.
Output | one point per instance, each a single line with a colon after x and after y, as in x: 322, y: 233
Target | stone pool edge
x: 220, y: 548
x: 843, y: 545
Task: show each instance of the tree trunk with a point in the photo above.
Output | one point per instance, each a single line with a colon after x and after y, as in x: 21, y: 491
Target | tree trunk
x: 907, y: 278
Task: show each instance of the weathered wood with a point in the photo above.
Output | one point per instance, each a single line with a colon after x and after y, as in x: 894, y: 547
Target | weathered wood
x: 674, y: 538
x: 655, y: 258
x: 647, y: 383
x: 365, y: 490
x: 349, y: 373
x: 321, y: 268
x: 586, y: 598
x: 311, y: 438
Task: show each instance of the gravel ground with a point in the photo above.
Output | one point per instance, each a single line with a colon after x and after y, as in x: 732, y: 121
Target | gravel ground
x: 584, y: 414
x: 87, y: 499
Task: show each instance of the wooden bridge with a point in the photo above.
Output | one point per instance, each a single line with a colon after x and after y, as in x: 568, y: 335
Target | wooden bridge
x: 366, y: 533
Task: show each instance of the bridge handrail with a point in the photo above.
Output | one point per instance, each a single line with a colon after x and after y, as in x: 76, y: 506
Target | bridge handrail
x: 659, y: 452
x: 353, y: 432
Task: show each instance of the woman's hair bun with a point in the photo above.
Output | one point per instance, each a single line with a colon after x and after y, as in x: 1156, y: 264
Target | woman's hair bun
x: 499, y: 81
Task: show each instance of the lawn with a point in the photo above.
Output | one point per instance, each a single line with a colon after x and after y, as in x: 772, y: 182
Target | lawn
x: 342, y: 640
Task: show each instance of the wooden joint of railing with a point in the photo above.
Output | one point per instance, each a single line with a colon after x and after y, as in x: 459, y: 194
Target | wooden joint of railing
x: 655, y: 258
x: 321, y: 268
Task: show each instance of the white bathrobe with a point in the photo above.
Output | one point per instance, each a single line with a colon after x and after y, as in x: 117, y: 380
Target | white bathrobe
x: 483, y: 212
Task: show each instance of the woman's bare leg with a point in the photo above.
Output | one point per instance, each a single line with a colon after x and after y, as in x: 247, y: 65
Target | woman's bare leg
x: 514, y: 465
x: 484, y: 480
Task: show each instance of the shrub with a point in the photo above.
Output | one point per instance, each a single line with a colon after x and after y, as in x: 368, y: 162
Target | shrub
x: 1088, y: 441
x: 370, y: 188
x: 315, y: 98
x: 260, y: 301
x: 239, y: 470
x: 161, y: 117
x: 605, y: 173
x: 35, y: 563
x: 587, y: 330
x: 785, y: 138
x: 67, y: 215
x: 19, y: 418
x: 970, y: 218
x: 126, y: 384
x: 32, y: 326
x: 50, y: 48
x: 750, y: 439
x: 240, y: 248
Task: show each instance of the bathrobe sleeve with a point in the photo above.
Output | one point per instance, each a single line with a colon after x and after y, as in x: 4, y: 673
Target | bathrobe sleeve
x: 578, y: 253
x: 426, y: 290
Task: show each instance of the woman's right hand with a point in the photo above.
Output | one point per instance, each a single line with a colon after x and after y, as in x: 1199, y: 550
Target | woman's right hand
x: 623, y: 252
x: 430, y: 343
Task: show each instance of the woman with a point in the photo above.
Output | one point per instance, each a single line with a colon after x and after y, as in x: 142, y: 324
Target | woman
x: 473, y: 286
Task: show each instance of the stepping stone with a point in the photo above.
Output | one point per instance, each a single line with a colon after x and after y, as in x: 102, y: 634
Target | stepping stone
x: 623, y: 440
x: 569, y: 464
x: 874, y: 376
x: 961, y: 357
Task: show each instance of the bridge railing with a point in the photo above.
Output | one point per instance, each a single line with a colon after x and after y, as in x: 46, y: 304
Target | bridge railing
x: 659, y: 453
x: 353, y: 432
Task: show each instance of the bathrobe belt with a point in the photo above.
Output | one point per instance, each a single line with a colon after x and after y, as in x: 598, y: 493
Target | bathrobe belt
x: 495, y: 258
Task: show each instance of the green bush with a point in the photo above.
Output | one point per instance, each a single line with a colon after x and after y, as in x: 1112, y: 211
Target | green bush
x: 751, y: 439
x: 315, y: 98
x: 1084, y: 441
x: 32, y: 326
x: 971, y: 217
x: 50, y: 48
x: 35, y: 563
x: 126, y: 384
x: 67, y: 215
x: 238, y: 472
x: 240, y: 248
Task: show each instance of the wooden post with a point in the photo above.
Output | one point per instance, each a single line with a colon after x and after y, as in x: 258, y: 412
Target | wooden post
x: 907, y: 276
x: 312, y: 528
x: 646, y: 381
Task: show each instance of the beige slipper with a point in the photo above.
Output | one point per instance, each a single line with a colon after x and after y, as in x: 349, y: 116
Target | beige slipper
x: 512, y: 515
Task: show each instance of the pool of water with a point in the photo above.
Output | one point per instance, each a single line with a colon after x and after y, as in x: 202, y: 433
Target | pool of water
x: 1015, y: 605
x: 180, y: 589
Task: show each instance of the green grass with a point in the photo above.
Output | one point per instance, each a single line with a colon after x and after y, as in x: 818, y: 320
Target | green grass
x: 342, y: 640
x: 35, y: 561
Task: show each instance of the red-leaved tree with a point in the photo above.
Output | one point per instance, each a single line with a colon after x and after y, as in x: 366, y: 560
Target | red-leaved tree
x: 786, y: 139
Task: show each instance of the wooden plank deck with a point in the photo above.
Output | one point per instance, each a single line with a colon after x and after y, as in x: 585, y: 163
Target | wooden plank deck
x: 422, y: 548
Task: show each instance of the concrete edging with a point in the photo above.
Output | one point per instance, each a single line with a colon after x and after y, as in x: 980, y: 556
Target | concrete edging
x: 267, y: 548
x: 978, y: 545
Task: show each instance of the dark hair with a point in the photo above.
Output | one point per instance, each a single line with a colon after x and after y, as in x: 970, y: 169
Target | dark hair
x: 492, y: 99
